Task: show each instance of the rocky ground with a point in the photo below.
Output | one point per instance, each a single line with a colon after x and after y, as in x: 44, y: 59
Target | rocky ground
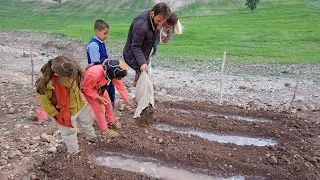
x: 187, y: 93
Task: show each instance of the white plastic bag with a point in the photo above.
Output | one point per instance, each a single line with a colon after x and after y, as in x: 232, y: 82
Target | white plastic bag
x: 144, y: 94
x: 178, y: 28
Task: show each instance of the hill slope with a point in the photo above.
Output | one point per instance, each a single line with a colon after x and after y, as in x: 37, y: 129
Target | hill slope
x: 278, y: 30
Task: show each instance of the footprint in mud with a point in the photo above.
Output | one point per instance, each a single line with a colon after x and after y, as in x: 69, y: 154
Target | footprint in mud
x: 146, y: 118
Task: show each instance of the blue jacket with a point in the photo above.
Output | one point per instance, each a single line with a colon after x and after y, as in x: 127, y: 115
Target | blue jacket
x: 102, y: 50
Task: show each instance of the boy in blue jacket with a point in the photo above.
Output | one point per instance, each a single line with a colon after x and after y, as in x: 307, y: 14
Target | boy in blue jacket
x: 97, y: 51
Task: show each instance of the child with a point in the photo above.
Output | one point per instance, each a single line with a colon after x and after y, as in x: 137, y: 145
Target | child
x: 166, y: 31
x: 97, y: 51
x: 96, y: 77
x: 60, y: 96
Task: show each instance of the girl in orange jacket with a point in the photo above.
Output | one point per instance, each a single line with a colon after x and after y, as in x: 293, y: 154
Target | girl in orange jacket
x: 60, y: 96
x: 96, y: 77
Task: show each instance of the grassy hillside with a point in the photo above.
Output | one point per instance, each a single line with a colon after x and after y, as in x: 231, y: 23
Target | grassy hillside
x: 278, y: 30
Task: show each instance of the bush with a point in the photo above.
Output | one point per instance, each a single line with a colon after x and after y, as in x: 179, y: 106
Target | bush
x: 252, y: 4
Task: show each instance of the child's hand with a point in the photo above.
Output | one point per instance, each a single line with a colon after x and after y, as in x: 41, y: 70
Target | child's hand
x: 102, y: 100
x: 127, y: 101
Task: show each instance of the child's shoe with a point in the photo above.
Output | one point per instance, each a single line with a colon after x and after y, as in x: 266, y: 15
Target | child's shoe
x: 73, y: 154
x: 92, y: 139
x: 114, y: 126
x: 117, y: 125
x: 77, y: 152
x: 110, y: 133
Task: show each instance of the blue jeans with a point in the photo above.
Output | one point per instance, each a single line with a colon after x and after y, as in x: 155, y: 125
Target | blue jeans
x: 155, y: 45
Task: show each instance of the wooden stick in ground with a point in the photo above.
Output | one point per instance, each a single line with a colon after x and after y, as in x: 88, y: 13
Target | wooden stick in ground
x: 221, y: 78
x: 149, y: 68
x: 32, y: 70
x: 296, y: 87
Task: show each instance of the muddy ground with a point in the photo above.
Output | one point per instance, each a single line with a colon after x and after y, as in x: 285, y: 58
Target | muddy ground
x: 34, y: 150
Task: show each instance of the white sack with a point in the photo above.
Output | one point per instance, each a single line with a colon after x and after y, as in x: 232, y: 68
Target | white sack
x: 144, y: 94
x: 178, y: 28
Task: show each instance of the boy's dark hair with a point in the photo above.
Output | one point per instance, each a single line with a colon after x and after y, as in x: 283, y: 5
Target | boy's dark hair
x: 173, y: 19
x: 100, y: 25
x: 161, y: 8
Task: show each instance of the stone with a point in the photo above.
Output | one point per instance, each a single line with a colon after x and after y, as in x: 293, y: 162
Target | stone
x: 26, y: 54
x: 3, y: 162
x: 47, y: 138
x: 34, y: 146
x: 36, y: 138
x: 9, y: 104
x: 19, y: 153
x: 4, y: 157
x: 23, y: 161
x: 293, y: 111
x: 302, y: 108
x: 18, y: 126
x: 52, y: 149
x: 33, y: 177
x: 299, y: 99
x: 12, y: 110
x: 242, y: 87
x: 311, y: 107
x: 25, y: 150
x: 310, y: 159
x: 12, y: 154
x: 273, y: 160
x: 162, y: 92
x: 160, y: 141
x: 59, y: 141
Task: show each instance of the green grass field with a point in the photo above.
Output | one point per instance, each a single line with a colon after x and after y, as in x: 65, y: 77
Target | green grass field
x: 277, y: 31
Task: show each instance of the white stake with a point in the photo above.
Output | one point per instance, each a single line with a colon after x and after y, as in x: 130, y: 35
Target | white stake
x: 149, y: 68
x: 221, y: 78
x: 32, y: 70
x: 296, y: 87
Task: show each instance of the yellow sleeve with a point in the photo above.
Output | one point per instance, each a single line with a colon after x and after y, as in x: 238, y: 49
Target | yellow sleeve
x: 45, y: 102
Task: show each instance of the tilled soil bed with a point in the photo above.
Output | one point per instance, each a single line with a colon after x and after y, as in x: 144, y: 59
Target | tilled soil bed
x: 296, y: 156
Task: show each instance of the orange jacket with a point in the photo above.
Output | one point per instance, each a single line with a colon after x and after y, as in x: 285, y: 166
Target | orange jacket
x: 60, y: 100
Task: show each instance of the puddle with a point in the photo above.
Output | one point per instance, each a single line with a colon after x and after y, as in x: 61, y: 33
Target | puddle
x: 238, y: 117
x: 231, y: 116
x: 239, y: 140
x: 153, y: 168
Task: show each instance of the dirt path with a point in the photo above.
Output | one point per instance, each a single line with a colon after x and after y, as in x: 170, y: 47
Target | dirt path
x: 255, y: 106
